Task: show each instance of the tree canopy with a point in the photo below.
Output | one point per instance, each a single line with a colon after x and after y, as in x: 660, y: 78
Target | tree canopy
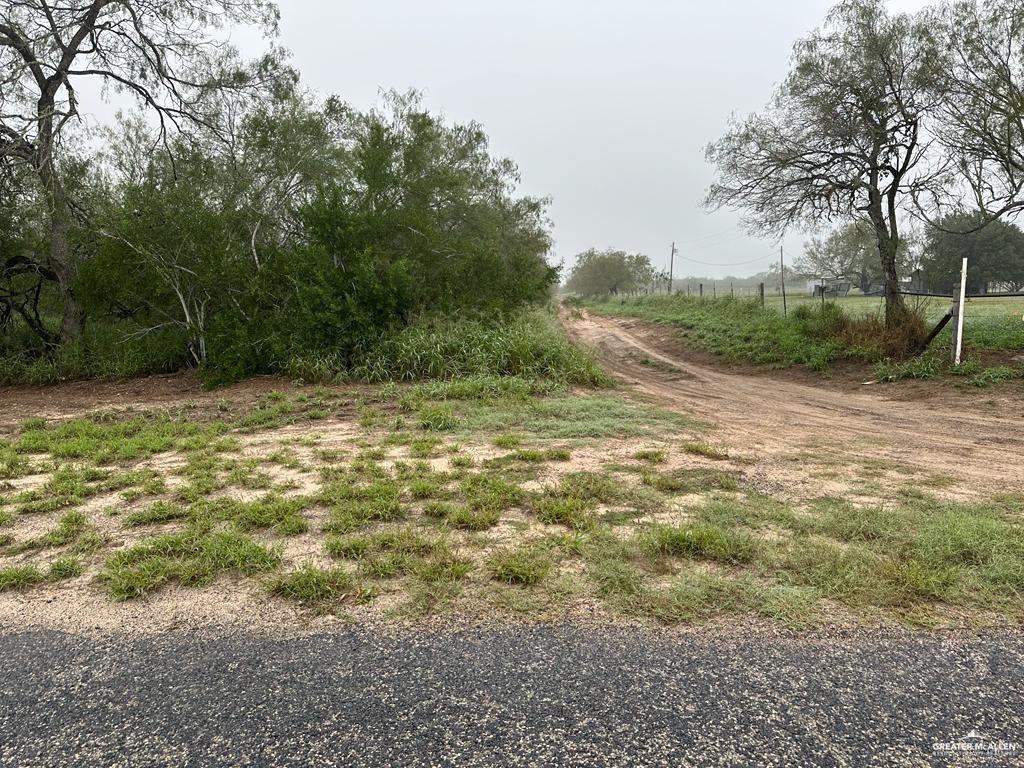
x: 995, y: 254
x: 611, y: 272
x: 844, y: 137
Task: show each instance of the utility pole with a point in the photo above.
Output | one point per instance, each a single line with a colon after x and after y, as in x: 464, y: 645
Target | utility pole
x: 782, y: 277
x: 671, y: 266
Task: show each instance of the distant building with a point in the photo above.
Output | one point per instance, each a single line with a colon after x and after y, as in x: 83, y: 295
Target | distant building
x: 830, y: 287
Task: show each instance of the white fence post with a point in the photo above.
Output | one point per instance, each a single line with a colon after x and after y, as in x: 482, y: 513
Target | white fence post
x: 960, y: 315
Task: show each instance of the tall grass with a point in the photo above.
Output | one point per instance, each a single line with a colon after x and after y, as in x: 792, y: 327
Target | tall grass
x: 529, y: 345
x: 106, y: 351
x: 526, y: 351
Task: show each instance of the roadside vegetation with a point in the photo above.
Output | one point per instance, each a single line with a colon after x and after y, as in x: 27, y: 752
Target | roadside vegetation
x: 820, y: 336
x: 485, y: 497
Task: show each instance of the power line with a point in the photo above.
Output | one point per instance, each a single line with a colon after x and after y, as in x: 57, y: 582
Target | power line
x: 716, y: 264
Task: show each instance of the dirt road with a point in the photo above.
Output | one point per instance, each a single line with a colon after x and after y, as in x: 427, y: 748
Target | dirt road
x: 979, y: 442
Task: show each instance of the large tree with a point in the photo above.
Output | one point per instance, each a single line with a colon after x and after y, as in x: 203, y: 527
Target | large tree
x: 982, y: 115
x: 995, y: 254
x: 165, y: 53
x: 844, y: 138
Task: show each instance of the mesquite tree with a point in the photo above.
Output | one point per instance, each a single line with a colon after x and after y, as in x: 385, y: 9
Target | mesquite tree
x: 165, y: 53
x: 983, y: 114
x: 845, y: 136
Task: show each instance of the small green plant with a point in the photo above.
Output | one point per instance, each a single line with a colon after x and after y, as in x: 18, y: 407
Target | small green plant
x: 690, y: 481
x: 508, y: 441
x: 703, y: 542
x: 310, y: 585
x: 20, y: 577
x: 470, y: 519
x: 571, y: 511
x: 651, y: 456
x: 524, y: 567
x: 437, y: 418
x: 706, y: 450
x: 65, y: 568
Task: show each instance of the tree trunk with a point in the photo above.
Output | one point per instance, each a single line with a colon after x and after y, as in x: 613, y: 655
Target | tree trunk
x: 63, y: 267
x: 61, y: 259
x: 895, y: 307
x: 888, y: 240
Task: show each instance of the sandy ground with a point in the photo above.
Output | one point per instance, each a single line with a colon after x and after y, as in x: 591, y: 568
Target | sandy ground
x: 788, y: 434
x: 978, y: 440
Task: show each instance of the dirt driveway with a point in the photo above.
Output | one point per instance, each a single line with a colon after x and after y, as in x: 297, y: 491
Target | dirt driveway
x: 978, y: 440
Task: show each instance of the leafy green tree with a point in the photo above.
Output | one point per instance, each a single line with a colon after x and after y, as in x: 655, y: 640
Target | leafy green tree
x: 312, y: 231
x: 995, y: 254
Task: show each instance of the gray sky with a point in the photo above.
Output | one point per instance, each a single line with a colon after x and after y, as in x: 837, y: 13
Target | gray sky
x: 605, y: 106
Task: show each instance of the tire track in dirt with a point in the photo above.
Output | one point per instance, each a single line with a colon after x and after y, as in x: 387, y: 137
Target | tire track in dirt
x: 981, y: 446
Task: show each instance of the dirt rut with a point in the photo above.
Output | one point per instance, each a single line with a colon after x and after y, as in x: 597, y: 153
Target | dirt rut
x: 978, y: 442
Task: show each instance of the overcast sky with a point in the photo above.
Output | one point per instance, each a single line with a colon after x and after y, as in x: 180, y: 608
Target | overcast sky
x: 605, y: 106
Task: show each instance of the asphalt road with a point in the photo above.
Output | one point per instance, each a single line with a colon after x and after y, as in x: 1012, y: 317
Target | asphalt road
x: 546, y: 697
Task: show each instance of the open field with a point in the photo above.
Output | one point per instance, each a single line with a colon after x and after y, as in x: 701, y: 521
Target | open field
x: 692, y: 496
x: 977, y: 309
x: 845, y: 335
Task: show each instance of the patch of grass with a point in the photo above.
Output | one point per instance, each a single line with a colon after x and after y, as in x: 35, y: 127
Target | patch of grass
x: 437, y: 418
x: 192, y: 558
x: 847, y: 522
x: 706, y: 450
x: 528, y: 346
x: 651, y: 456
x: 691, y: 480
x: 461, y: 461
x: 540, y: 455
x: 571, y: 511
x: 424, y: 488
x: 354, y: 506
x: 20, y: 577
x: 701, y: 542
x: 615, y: 578
x: 156, y: 513
x: 423, y: 448
x: 283, y: 516
x: 446, y: 569
x: 66, y: 487
x: 12, y: 463
x: 571, y: 417
x: 508, y: 441
x: 310, y: 585
x: 698, y: 597
x: 469, y: 519
x: 491, y: 493
x: 106, y: 438
x: 65, y: 568
x: 69, y: 528
x: 403, y: 542
x: 525, y: 566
